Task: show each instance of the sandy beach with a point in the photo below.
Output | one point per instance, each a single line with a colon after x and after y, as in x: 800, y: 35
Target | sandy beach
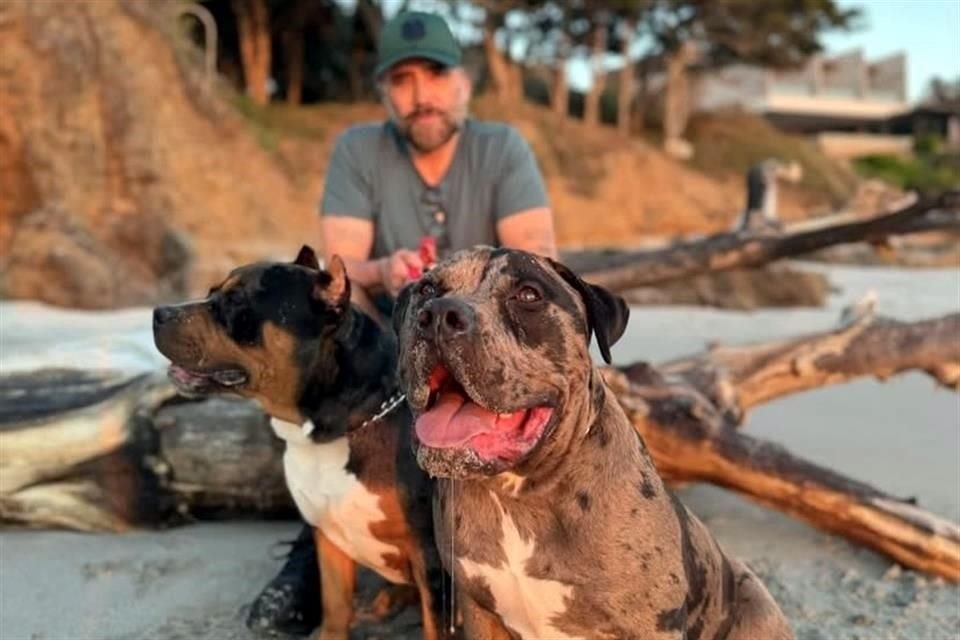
x: 902, y: 436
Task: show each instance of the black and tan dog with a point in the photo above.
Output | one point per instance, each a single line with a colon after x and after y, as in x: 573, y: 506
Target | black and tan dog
x: 550, y: 512
x: 286, y: 335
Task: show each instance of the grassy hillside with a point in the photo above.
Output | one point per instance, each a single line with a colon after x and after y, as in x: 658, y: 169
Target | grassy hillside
x: 728, y: 143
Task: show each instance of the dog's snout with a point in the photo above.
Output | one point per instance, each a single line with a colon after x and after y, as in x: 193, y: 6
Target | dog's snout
x: 169, y: 315
x: 163, y: 315
x: 455, y: 321
x: 447, y: 318
x: 425, y: 318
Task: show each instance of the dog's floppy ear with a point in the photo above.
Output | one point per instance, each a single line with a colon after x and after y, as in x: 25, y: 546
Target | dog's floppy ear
x: 607, y: 313
x: 307, y: 258
x: 333, y: 286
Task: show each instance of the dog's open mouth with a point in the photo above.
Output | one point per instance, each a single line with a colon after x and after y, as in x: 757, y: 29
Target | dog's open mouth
x: 453, y: 420
x: 208, y: 381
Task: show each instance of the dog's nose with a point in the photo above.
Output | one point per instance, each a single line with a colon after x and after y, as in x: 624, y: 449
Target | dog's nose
x: 447, y: 318
x: 163, y: 315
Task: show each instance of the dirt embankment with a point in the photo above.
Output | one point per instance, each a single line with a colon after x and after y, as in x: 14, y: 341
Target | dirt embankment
x: 123, y: 180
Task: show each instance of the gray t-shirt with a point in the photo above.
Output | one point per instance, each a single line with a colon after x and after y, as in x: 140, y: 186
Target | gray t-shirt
x: 371, y: 176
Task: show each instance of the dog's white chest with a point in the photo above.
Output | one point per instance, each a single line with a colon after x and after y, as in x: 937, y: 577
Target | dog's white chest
x: 529, y: 606
x: 332, y: 499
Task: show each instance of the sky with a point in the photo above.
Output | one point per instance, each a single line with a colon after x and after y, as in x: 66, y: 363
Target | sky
x: 927, y: 30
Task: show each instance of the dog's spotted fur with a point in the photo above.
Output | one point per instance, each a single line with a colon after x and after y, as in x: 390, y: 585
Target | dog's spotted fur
x: 579, y: 538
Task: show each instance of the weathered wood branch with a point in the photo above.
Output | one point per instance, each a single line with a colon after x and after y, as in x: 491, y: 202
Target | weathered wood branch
x: 738, y: 378
x: 745, y: 249
x: 689, y: 440
x: 100, y: 451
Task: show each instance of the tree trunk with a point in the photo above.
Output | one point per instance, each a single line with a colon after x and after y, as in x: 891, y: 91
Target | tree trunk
x: 641, y: 103
x: 560, y: 93
x: 625, y: 90
x: 354, y: 80
x: 293, y: 52
x: 293, y: 25
x: 372, y: 16
x: 253, y: 30
x: 560, y: 96
x: 366, y: 26
x: 591, y: 109
x: 515, y: 71
x: 625, y: 270
x: 676, y: 102
x: 506, y: 82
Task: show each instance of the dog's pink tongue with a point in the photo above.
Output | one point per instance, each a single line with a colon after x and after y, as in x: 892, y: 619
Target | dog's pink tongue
x: 453, y: 421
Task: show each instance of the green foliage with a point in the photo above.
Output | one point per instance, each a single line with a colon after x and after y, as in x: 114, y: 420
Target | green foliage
x: 773, y: 32
x: 928, y: 144
x: 257, y: 118
x: 276, y: 121
x: 729, y: 143
x: 770, y: 32
x: 925, y: 172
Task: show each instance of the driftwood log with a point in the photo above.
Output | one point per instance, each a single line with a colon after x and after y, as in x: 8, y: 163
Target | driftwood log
x: 775, y: 285
x: 100, y: 451
x: 624, y: 270
x: 688, y: 412
x: 104, y: 451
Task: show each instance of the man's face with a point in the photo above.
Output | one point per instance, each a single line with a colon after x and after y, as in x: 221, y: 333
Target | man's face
x: 427, y: 101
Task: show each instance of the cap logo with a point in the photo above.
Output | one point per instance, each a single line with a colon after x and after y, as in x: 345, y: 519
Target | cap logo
x: 413, y: 29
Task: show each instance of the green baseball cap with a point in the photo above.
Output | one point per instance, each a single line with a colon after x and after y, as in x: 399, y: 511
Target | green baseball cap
x: 416, y: 34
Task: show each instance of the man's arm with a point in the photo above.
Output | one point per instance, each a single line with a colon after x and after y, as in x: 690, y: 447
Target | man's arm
x: 352, y: 240
x: 346, y: 211
x: 524, y: 219
x: 530, y: 230
x: 348, y: 226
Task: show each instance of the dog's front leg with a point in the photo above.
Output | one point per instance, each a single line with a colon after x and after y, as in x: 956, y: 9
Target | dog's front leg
x: 480, y: 624
x: 338, y: 575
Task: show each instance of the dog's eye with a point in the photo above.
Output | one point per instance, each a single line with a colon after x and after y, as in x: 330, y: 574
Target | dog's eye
x: 529, y: 294
x: 427, y: 289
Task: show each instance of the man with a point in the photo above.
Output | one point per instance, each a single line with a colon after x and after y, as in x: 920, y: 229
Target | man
x: 428, y: 171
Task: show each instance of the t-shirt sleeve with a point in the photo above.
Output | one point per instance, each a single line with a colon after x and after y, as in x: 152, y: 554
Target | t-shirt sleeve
x: 521, y: 185
x: 346, y: 190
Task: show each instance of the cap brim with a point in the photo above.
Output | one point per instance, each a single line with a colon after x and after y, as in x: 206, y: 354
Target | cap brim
x: 440, y: 57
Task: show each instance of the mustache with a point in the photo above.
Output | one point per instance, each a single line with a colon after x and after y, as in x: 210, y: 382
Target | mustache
x: 424, y: 111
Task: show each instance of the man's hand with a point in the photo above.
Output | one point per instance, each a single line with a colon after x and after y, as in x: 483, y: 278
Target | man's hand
x: 398, y: 269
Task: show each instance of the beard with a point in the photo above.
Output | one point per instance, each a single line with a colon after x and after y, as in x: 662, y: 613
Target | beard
x: 427, y: 135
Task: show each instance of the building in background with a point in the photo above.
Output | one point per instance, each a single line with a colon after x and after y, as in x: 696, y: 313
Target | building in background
x: 937, y: 118
x: 848, y: 103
